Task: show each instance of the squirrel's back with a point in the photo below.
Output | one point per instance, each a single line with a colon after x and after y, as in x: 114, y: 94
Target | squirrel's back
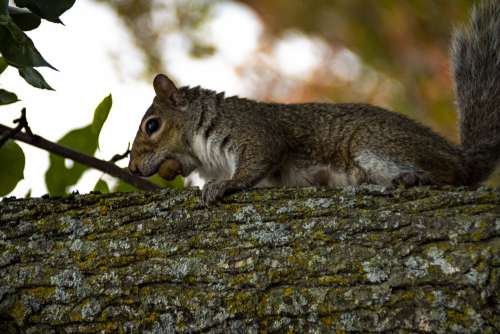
x: 476, y: 67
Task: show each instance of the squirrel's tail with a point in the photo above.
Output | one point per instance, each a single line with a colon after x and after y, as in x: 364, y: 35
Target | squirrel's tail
x: 476, y: 66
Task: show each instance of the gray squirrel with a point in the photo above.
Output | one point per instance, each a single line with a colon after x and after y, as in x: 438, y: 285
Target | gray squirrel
x: 237, y: 143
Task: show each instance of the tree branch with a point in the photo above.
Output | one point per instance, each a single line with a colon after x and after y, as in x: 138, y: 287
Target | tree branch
x: 419, y: 260
x: 104, y: 166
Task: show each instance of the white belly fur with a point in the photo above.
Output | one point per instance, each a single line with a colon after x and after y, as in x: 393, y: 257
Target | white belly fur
x: 216, y: 164
x: 370, y: 168
x: 324, y: 175
x: 220, y: 164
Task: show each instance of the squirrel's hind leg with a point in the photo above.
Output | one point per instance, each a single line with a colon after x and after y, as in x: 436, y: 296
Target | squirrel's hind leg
x: 388, y: 172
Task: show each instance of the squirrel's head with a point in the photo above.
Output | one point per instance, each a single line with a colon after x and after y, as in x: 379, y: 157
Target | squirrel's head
x: 160, y: 135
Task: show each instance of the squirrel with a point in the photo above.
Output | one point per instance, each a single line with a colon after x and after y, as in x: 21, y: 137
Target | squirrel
x: 237, y: 143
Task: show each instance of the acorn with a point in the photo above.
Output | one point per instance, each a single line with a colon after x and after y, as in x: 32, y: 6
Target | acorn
x: 169, y: 169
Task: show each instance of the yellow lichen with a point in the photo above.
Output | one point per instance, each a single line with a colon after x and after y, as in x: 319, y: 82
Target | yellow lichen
x: 18, y: 312
x: 456, y: 317
x: 41, y: 293
x: 151, y: 317
x: 103, y: 210
x: 327, y: 321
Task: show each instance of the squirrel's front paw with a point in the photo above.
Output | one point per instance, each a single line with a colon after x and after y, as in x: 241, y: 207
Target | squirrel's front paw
x: 213, y: 191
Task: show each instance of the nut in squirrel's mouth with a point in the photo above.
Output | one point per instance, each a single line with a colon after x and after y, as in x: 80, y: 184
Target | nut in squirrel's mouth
x: 170, y: 169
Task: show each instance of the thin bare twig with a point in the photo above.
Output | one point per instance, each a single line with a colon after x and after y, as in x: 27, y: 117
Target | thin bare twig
x: 104, y: 166
x: 118, y: 157
x: 22, y: 123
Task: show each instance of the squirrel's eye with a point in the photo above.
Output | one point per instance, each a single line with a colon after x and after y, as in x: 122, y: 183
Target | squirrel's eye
x: 152, y: 126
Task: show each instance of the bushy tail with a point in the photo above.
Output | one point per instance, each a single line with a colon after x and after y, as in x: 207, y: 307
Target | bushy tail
x: 476, y: 66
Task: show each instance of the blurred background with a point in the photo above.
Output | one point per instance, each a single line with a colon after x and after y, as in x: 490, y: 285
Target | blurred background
x: 385, y: 52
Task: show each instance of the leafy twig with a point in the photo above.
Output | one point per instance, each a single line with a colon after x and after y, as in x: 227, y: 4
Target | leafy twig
x: 104, y: 166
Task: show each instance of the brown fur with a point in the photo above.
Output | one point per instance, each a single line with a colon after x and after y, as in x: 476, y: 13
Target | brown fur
x: 238, y: 143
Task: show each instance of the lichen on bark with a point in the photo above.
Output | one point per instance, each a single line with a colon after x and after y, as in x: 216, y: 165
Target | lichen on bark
x: 279, y: 260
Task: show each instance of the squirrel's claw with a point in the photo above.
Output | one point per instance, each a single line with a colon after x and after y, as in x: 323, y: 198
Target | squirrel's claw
x: 410, y: 179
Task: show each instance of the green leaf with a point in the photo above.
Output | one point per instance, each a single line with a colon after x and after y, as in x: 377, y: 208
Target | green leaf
x: 101, y: 186
x: 177, y: 183
x: 101, y: 114
x: 81, y: 140
x: 59, y: 177
x: 16, y: 33
x: 7, y: 97
x: 17, y: 48
x: 124, y: 187
x: 49, y: 10
x: 24, y: 19
x: 34, y: 78
x: 85, y: 140
x: 3, y: 65
x: 12, y: 171
x: 4, y: 5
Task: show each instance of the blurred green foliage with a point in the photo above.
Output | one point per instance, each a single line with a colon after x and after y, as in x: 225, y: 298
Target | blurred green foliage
x: 59, y: 177
x: 12, y: 170
x: 101, y: 186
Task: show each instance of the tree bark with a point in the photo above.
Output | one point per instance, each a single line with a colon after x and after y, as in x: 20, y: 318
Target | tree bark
x: 281, y: 260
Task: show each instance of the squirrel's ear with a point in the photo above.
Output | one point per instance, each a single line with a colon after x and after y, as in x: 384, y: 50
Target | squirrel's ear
x: 165, y: 88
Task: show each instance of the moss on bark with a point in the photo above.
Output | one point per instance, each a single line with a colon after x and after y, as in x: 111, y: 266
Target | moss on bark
x: 281, y: 260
